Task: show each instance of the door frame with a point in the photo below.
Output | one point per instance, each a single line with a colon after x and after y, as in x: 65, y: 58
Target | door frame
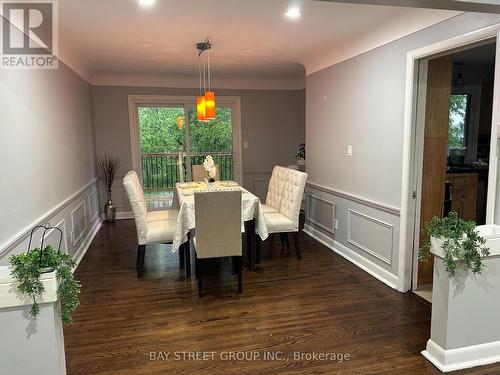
x: 416, y: 73
x: 134, y: 101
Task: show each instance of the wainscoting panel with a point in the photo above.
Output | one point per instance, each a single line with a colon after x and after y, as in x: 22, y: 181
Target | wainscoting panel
x: 320, y: 212
x: 76, y: 217
x: 78, y: 222
x: 370, y: 235
x: 93, y: 205
x: 367, y: 232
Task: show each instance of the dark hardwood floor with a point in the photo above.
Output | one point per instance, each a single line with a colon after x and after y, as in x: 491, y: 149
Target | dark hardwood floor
x: 323, y: 304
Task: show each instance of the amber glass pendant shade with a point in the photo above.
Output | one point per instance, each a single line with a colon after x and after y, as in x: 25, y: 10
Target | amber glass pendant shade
x: 210, y: 105
x: 201, y: 109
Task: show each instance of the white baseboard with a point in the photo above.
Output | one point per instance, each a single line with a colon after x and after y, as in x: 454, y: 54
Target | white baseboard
x: 121, y: 215
x: 462, y: 358
x: 376, y: 271
x: 86, y: 244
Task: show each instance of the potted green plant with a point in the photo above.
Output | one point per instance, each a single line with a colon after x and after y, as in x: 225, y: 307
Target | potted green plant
x: 27, y: 269
x: 456, y: 241
x: 301, y: 154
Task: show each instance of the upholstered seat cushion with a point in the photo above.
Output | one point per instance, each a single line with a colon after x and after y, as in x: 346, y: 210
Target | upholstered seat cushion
x: 268, y: 209
x: 160, y: 231
x: 162, y: 215
x: 277, y: 223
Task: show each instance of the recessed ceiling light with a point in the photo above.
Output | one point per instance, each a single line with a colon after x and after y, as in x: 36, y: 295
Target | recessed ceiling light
x: 146, y: 3
x: 293, y: 13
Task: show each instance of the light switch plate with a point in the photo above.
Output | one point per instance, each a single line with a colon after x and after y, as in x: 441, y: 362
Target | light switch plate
x: 245, y: 145
x: 349, y: 150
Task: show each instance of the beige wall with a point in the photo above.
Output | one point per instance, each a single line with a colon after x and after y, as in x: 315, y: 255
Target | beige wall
x: 273, y: 124
x: 46, y: 150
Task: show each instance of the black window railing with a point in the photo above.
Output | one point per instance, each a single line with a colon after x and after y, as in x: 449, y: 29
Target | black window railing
x: 160, y: 171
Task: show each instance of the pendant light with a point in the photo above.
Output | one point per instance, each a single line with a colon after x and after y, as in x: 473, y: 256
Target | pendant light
x: 205, y: 103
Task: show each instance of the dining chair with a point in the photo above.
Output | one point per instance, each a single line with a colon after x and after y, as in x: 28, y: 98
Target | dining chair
x: 155, y: 227
x: 200, y: 174
x: 218, y: 231
x: 282, y: 209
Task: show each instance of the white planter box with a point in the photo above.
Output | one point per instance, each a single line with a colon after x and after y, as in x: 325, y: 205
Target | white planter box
x: 30, y: 346
x: 464, y: 326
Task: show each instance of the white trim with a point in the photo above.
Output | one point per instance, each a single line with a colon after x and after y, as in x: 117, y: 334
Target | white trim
x: 224, y: 82
x: 462, y: 358
x: 376, y: 271
x: 124, y: 215
x: 20, y: 236
x: 80, y: 253
x: 351, y: 212
x: 234, y: 102
x: 74, y: 239
x: 317, y: 223
x: 93, y: 193
x: 364, y: 201
x: 407, y: 202
x: 121, y: 215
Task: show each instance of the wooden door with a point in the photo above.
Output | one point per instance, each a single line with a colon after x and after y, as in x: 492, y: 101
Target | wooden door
x: 439, y: 76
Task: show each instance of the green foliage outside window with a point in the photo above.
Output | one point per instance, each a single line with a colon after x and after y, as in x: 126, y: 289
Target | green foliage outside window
x: 160, y: 133
x: 457, y: 121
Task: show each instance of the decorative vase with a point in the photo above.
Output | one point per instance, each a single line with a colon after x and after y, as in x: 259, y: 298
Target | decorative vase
x: 110, y: 209
x: 211, y: 184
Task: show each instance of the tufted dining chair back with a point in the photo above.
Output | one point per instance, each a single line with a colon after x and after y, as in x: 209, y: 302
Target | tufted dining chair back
x: 135, y: 195
x: 285, y: 192
x: 293, y: 191
x: 276, y: 186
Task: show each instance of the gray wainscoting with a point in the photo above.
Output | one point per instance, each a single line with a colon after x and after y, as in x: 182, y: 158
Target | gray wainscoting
x: 78, y: 219
x: 363, y: 231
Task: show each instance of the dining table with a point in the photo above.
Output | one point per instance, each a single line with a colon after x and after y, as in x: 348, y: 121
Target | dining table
x: 252, y: 217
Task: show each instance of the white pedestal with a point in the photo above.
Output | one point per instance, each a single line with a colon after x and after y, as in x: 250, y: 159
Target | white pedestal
x: 465, y: 325
x: 30, y: 346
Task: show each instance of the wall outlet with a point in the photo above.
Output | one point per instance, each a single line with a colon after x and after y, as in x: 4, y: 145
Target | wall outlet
x: 336, y: 224
x: 245, y: 145
x: 349, y: 150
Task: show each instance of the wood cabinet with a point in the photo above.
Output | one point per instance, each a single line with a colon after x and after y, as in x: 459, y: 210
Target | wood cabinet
x: 464, y: 194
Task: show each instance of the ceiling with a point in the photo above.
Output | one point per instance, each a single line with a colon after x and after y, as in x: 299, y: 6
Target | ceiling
x: 103, y: 38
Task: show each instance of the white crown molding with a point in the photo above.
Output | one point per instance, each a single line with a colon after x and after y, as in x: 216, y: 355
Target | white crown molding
x: 183, y: 81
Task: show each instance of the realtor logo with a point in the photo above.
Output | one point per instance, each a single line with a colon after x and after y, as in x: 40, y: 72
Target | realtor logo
x: 29, y: 34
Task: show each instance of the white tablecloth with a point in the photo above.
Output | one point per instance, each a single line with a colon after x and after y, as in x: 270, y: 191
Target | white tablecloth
x: 250, y: 209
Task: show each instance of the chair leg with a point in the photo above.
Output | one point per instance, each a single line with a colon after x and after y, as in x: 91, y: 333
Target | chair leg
x: 182, y: 254
x: 240, y: 276
x: 257, y: 249
x: 138, y: 259
x: 196, y: 265
x: 187, y: 258
x: 140, y: 254
x: 282, y: 239
x: 287, y: 242
x: 200, y: 277
x: 296, y: 244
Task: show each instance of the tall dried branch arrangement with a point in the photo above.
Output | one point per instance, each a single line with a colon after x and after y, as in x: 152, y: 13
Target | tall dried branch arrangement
x: 107, y: 167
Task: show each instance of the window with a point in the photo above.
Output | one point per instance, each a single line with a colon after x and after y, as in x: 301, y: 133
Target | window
x: 458, y: 121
